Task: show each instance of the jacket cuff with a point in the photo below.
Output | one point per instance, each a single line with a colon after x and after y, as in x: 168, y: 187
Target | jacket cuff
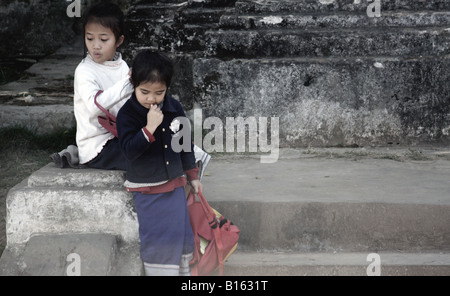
x: 192, y: 174
x: 148, y: 135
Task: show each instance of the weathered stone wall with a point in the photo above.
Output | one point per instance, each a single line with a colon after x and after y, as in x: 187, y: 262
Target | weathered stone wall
x: 332, y: 102
x: 178, y: 28
x: 33, y: 28
x: 334, y: 74
x: 36, y: 28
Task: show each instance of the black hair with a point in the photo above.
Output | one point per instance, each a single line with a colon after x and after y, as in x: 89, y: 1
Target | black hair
x: 149, y: 66
x: 108, y: 15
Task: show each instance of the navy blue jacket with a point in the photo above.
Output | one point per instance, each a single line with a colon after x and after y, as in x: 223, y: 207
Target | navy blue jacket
x: 151, y: 162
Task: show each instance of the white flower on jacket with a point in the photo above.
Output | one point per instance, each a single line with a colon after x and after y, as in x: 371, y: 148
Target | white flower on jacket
x: 175, y: 126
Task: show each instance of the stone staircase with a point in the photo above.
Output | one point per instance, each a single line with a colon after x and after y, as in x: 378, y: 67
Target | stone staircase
x: 177, y: 28
x: 307, y: 214
x: 57, y: 212
x: 322, y: 216
x: 42, y: 100
x: 335, y: 77
x: 333, y: 72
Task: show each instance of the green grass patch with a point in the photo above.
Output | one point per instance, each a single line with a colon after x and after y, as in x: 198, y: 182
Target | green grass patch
x: 23, y: 139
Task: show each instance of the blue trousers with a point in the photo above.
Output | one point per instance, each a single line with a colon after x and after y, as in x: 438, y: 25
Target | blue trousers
x: 164, y: 229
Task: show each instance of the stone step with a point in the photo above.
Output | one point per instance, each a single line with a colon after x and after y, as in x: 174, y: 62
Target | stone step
x: 332, y: 101
x: 190, y: 3
x: 328, y: 42
x: 337, y: 264
x: 211, y: 3
x: 155, y: 12
x: 333, y: 205
x: 170, y: 27
x: 338, y: 226
x: 326, y: 206
x: 42, y: 101
x: 87, y: 254
x: 176, y: 29
x: 169, y: 38
x: 303, y: 214
x: 200, y: 16
x: 50, y: 176
x: 160, y: 1
x: 173, y: 27
x: 41, y: 119
x: 335, y: 20
x: 65, y: 209
x: 271, y: 6
x: 47, y: 81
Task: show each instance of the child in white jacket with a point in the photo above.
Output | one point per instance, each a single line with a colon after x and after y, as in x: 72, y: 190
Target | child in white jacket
x: 101, y: 70
x: 103, y: 75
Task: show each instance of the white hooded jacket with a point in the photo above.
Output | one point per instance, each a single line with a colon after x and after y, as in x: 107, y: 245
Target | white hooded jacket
x: 112, y: 78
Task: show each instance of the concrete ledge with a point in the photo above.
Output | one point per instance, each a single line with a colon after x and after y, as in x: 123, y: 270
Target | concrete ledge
x: 336, y: 264
x: 51, y: 176
x: 96, y: 202
x: 337, y: 20
x: 270, y: 6
x: 329, y: 227
x: 59, y: 210
x: 39, y: 119
x: 319, y: 204
x: 341, y: 42
x: 87, y: 254
x: 299, y: 204
x: 56, y: 212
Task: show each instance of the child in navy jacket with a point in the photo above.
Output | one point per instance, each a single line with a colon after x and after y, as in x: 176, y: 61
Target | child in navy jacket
x: 155, y: 173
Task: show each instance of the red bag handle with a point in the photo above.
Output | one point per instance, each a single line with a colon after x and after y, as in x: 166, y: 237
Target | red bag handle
x: 213, y: 223
x: 206, y: 208
x: 107, y: 122
x: 100, y: 106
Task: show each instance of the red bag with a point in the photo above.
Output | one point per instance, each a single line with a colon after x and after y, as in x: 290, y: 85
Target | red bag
x: 215, y: 237
x: 108, y: 121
